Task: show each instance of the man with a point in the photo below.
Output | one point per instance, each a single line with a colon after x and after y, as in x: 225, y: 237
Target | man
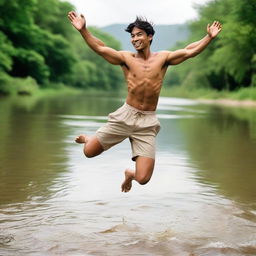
x: 144, y: 72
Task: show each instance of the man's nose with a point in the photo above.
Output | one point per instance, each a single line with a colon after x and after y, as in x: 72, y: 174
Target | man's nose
x: 135, y: 38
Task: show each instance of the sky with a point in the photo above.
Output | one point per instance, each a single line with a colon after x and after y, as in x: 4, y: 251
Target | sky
x: 105, y: 12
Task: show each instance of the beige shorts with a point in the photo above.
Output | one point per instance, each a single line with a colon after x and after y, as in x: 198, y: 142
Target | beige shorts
x: 141, y: 127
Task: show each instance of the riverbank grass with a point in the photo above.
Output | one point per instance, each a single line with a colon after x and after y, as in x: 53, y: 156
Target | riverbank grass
x: 200, y: 93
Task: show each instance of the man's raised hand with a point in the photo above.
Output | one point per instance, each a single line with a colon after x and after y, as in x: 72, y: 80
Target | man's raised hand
x: 78, y: 21
x: 214, y: 29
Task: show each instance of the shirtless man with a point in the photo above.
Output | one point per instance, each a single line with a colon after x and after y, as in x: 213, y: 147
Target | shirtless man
x: 144, y: 72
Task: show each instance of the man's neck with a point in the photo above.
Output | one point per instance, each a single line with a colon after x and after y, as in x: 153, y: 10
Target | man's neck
x: 144, y: 54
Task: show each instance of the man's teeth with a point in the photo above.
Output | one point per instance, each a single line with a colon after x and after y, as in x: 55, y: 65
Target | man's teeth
x: 137, y: 44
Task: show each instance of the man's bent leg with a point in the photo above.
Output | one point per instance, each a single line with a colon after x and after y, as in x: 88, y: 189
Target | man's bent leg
x: 144, y: 169
x: 92, y: 146
x: 142, y: 174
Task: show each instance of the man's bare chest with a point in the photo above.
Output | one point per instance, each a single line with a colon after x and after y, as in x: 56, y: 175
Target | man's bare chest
x: 151, y: 68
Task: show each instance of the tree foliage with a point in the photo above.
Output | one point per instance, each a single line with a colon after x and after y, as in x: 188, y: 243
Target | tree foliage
x: 230, y: 61
x: 38, y: 41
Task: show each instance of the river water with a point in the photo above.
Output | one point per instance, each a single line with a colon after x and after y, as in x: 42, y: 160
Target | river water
x: 201, y: 200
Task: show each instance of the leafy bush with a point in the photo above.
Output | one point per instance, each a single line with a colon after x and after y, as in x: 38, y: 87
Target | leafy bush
x: 25, y: 86
x: 6, y: 86
x: 30, y: 63
x: 12, y: 86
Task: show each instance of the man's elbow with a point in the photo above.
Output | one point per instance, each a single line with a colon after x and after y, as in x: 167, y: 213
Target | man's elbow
x: 100, y: 50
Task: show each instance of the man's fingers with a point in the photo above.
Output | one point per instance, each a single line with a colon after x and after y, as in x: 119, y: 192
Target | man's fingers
x: 208, y: 28
x: 70, y: 18
x: 213, y: 24
x: 216, y: 24
x: 72, y: 15
x: 219, y: 27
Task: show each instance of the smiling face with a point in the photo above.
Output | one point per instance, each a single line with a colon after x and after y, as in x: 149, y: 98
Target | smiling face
x: 140, y: 39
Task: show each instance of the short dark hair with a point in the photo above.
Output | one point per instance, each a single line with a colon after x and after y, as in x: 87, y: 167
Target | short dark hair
x: 143, y: 24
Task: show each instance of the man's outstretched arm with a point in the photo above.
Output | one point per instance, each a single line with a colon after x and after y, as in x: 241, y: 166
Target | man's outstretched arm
x: 111, y: 55
x: 195, y: 48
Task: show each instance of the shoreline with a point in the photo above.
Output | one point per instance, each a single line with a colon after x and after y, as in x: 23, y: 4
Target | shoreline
x: 229, y: 102
x: 245, y: 97
x: 49, y: 92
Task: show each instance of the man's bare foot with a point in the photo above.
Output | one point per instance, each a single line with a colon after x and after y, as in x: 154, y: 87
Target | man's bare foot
x: 81, y: 139
x: 127, y: 184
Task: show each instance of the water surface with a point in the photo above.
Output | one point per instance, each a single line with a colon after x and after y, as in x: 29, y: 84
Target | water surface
x: 53, y: 201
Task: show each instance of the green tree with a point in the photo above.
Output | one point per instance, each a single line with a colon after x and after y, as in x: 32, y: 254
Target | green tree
x: 108, y: 76
x: 228, y: 62
x: 6, y: 51
x: 29, y: 63
x: 37, y: 40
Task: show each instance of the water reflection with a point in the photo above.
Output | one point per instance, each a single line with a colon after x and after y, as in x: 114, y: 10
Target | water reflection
x: 223, y: 148
x: 54, y: 201
x: 32, y: 154
x: 35, y: 134
x: 33, y: 142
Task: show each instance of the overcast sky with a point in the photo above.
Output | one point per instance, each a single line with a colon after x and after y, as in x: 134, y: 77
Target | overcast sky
x: 106, y: 12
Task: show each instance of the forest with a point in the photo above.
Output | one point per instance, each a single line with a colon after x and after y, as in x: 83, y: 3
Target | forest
x: 39, y: 48
x: 229, y: 62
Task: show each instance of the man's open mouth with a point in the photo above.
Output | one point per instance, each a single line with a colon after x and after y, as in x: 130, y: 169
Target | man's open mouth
x: 137, y: 44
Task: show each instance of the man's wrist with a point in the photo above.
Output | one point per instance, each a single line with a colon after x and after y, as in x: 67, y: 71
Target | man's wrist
x: 209, y: 37
x: 83, y: 29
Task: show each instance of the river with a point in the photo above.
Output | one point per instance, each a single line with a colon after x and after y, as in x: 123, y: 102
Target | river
x: 201, y: 200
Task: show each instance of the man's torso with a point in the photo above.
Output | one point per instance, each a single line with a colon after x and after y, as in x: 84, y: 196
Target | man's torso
x: 144, y: 79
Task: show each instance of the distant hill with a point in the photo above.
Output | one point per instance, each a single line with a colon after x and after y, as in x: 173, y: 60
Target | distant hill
x: 165, y: 37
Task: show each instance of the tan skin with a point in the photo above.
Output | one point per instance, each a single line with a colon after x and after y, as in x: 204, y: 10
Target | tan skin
x: 144, y: 72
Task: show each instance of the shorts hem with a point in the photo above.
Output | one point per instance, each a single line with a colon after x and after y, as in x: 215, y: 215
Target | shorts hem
x: 135, y: 157
x: 101, y: 143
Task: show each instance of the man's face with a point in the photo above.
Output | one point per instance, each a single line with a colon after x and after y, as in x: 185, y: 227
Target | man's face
x: 140, y: 39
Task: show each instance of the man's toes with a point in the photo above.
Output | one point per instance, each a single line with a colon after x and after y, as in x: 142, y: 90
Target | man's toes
x: 127, y: 188
x: 124, y: 188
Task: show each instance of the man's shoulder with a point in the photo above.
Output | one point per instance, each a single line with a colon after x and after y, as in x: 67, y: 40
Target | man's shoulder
x: 127, y: 53
x: 161, y: 55
x: 164, y: 52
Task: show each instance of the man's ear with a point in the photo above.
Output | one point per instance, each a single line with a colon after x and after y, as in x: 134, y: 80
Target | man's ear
x: 150, y: 37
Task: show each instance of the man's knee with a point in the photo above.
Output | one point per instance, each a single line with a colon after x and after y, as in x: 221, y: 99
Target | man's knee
x: 143, y: 180
x: 93, y: 148
x: 90, y: 153
x: 144, y: 169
